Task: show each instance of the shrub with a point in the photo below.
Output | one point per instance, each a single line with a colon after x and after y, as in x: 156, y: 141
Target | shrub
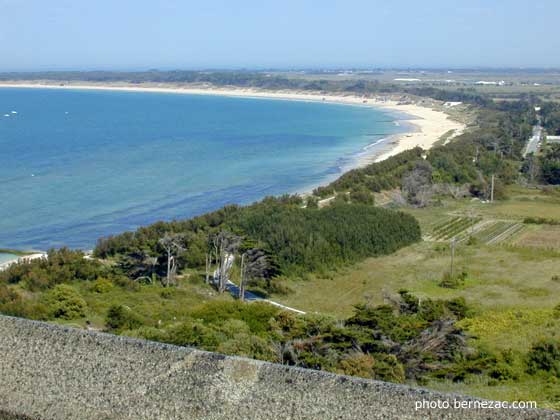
x: 102, y: 285
x: 121, y: 318
x: 388, y: 368
x: 358, y: 364
x: 544, y: 356
x: 193, y: 333
x: 61, y: 266
x: 503, y: 372
x: 362, y: 196
x: 453, y: 282
x: 472, y: 241
x: 167, y: 293
x: 64, y: 302
x: 556, y: 312
x: 13, y: 302
x: 240, y: 342
x: 384, y: 367
x: 540, y: 221
x: 312, y: 202
x: 126, y: 283
x: 256, y: 315
x: 458, y: 306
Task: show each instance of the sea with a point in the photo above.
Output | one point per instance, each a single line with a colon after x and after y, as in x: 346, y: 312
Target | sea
x: 76, y: 165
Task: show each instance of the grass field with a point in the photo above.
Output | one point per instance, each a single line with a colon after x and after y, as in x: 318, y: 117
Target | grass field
x: 514, y: 272
x: 540, y: 236
x: 497, y: 277
x: 512, y: 282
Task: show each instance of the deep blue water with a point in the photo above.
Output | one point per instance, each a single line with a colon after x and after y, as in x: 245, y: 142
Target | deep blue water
x: 76, y: 165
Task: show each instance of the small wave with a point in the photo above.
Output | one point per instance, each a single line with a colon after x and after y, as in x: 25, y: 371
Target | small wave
x: 375, y: 143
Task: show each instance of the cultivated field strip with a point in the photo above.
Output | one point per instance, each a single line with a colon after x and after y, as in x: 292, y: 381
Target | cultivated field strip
x: 452, y: 227
x: 489, y: 232
x: 507, y: 234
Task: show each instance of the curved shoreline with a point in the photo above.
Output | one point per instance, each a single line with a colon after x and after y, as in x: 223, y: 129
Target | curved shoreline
x: 428, y: 125
x: 425, y: 125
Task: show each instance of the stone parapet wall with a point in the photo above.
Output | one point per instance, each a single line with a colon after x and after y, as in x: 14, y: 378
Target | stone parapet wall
x: 51, y: 372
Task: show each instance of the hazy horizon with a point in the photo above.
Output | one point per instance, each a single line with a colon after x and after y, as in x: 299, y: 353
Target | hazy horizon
x: 126, y: 35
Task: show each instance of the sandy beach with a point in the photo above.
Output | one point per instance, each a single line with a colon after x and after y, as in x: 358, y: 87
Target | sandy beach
x: 22, y: 258
x: 428, y: 125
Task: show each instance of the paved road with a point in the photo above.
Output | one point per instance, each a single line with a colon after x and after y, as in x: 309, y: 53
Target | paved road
x: 234, y: 290
x: 534, y: 142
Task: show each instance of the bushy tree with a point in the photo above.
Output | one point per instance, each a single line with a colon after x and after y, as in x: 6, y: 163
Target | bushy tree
x: 121, y: 318
x: 550, y: 164
x: 544, y: 357
x: 64, y: 302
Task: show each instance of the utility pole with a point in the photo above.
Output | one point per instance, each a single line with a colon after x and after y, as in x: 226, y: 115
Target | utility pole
x: 452, y: 255
x: 492, y: 190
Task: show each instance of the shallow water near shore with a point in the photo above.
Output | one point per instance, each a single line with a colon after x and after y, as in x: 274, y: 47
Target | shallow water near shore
x: 77, y: 165
x: 6, y: 257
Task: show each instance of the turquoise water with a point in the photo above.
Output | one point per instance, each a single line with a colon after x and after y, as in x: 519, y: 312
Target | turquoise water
x: 5, y: 257
x: 77, y: 165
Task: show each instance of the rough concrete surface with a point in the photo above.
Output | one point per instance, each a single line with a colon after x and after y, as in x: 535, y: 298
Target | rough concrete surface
x: 52, y: 372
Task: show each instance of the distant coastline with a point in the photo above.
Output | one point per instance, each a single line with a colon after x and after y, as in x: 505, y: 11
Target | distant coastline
x: 426, y: 125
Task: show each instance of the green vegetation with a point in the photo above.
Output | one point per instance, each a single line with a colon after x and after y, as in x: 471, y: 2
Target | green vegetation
x: 550, y: 112
x: 473, y: 308
x: 550, y: 164
x: 512, y: 288
x: 453, y: 227
x: 297, y: 240
x: 492, y: 149
x: 14, y: 252
x: 541, y: 221
x: 375, y: 177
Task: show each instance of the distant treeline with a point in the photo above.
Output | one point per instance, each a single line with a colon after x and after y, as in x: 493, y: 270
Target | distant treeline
x: 550, y: 112
x: 252, y: 79
x: 544, y: 166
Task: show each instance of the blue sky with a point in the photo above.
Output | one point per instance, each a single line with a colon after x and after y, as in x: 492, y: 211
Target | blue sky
x: 164, y: 34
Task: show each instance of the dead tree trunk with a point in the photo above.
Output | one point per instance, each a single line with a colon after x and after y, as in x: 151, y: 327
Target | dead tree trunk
x: 207, y: 267
x: 168, y: 273
x: 242, y: 280
x: 170, y: 243
x: 222, y: 279
x: 225, y: 246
